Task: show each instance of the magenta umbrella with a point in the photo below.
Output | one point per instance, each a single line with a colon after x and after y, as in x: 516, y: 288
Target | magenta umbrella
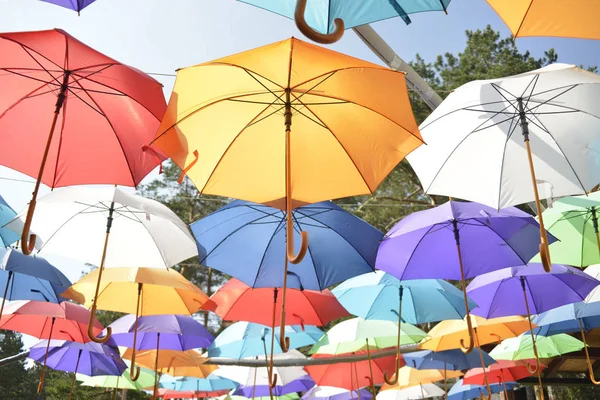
x: 527, y: 290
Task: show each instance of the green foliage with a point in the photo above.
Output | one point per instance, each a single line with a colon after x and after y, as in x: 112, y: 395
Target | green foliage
x: 15, y: 382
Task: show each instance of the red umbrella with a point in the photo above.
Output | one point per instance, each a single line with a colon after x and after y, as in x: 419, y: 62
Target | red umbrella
x: 352, y: 375
x: 501, y: 372
x: 65, y: 321
x: 236, y: 301
x: 70, y: 115
x: 190, y: 394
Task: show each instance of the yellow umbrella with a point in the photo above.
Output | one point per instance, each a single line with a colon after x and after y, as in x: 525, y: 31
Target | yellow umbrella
x: 139, y: 291
x: 572, y: 19
x: 174, y: 363
x: 408, y: 377
x: 228, y: 126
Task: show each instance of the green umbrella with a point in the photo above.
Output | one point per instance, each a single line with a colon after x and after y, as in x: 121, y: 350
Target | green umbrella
x: 354, y: 334
x: 574, y: 221
x: 146, y: 380
x: 521, y: 348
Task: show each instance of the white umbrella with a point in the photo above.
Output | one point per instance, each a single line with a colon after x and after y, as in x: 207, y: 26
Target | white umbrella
x: 77, y: 222
x: 332, y: 393
x: 497, y: 140
x: 422, y: 391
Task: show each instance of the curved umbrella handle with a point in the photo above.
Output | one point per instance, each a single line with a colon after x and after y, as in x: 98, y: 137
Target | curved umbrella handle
x: 587, y: 355
x: 294, y: 259
x: 468, y: 348
x: 545, y: 253
x: 28, y: 240
x: 310, y: 32
x: 394, y: 379
x: 91, y: 334
x: 134, y: 375
x: 284, y: 341
x: 274, y: 381
x: 532, y: 370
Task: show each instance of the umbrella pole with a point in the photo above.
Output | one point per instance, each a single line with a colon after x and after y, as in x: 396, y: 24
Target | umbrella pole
x: 422, y: 393
x: 156, y: 367
x: 254, y: 384
x: 370, y: 377
x: 537, y: 369
x: 544, y: 251
x: 271, y: 386
x: 10, y: 273
x: 356, y: 380
x: 445, y: 379
x: 594, y: 221
x: 41, y: 384
x: 587, y: 354
x: 115, y: 393
x: 469, y: 348
x: 485, y: 377
x: 75, y: 375
x: 272, y: 376
x: 135, y: 375
x: 28, y: 241
x: 310, y: 32
x: 394, y: 379
x: 100, y: 270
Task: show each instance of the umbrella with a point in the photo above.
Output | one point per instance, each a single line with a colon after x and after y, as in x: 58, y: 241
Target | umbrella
x: 521, y: 347
x: 89, y: 359
x: 408, y: 377
x: 245, y: 339
x: 337, y: 98
x: 334, y: 393
x: 501, y: 372
x: 161, y: 238
x: 113, y: 111
x: 574, y: 221
x: 458, y: 241
x: 189, y: 394
x: 419, y: 391
x: 462, y: 391
x: 351, y: 375
x: 473, y: 154
x: 375, y: 295
x: 325, y: 23
x: 448, y: 359
x: 175, y: 363
x: 289, y: 396
x: 253, y: 235
x: 497, y: 293
x: 30, y: 278
x: 145, y: 380
x: 525, y: 18
x: 40, y: 319
x: 7, y: 237
x: 298, y: 385
x: 164, y: 291
x: 75, y: 5
x: 208, y: 384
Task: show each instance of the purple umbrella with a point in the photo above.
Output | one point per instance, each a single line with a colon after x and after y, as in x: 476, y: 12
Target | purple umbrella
x: 299, y: 385
x: 90, y: 358
x: 527, y: 290
x: 458, y: 240
x: 75, y: 5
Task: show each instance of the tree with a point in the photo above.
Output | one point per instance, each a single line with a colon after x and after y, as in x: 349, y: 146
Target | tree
x: 14, y: 383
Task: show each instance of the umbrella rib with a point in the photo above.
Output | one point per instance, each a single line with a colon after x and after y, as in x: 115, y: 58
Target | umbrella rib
x: 58, y: 229
x: 84, y: 102
x: 10, y: 71
x: 511, y: 129
x: 278, y: 228
x: 325, y: 78
x: 13, y: 105
x: 540, y: 103
x: 266, y: 116
x: 60, y: 137
x: 26, y: 49
x: 308, y: 117
x: 535, y: 80
x: 278, y: 97
x: 153, y: 240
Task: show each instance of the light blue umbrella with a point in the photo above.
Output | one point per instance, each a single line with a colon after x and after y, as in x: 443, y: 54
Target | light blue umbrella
x: 455, y: 360
x: 208, y: 384
x: 245, y: 339
x: 375, y: 295
x: 460, y: 391
x: 30, y: 278
x: 7, y: 214
x: 320, y: 22
x: 566, y: 319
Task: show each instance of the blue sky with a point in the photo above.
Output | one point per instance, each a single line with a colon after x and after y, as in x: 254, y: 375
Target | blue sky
x: 163, y: 35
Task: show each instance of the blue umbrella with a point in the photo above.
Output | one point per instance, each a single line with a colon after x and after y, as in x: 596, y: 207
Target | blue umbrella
x: 7, y: 237
x: 30, y: 278
x: 454, y: 360
x: 460, y: 391
x: 298, y: 385
x: 247, y: 241
x: 208, y: 384
x: 375, y: 295
x: 247, y: 339
x: 324, y: 21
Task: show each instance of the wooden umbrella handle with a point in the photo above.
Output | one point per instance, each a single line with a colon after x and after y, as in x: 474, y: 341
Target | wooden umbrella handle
x: 310, y: 32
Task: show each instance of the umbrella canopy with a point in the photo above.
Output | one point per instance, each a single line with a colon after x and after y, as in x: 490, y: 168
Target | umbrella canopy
x: 298, y: 385
x: 208, y: 384
x: 566, y: 319
x: 247, y: 241
x: 334, y: 102
x: 189, y: 394
x: 375, y: 295
x: 574, y: 221
x: 357, y: 334
x: 161, y: 238
x: 462, y: 391
x: 175, y: 363
x: 65, y: 321
x: 502, y: 371
x: 248, y: 376
x: 236, y: 301
x: 419, y: 391
x: 521, y: 347
x: 30, y: 278
x: 89, y: 359
x: 449, y: 359
x: 75, y: 5
x: 144, y: 381
x: 525, y: 18
x: 500, y: 293
x: 475, y: 147
x: 165, y: 291
x: 290, y: 396
x: 177, y: 332
x: 7, y: 237
x: 335, y: 393
x: 447, y: 334
x: 245, y: 339
x: 424, y: 244
x: 410, y: 377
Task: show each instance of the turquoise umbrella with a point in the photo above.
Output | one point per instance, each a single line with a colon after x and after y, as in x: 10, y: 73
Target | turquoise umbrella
x: 7, y: 214
x: 324, y: 21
